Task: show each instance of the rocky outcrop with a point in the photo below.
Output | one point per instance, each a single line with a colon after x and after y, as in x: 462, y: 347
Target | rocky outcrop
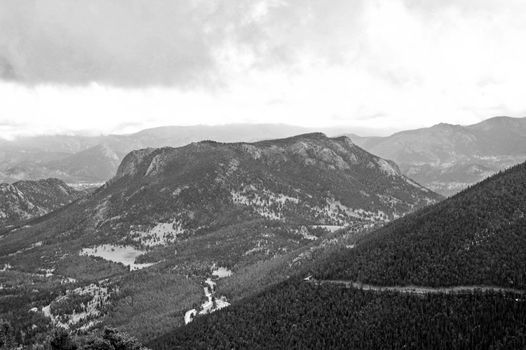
x: 131, y: 163
x: 25, y: 200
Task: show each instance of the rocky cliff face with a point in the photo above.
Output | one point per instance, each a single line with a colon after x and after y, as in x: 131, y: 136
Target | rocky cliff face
x: 25, y: 200
x: 130, y: 163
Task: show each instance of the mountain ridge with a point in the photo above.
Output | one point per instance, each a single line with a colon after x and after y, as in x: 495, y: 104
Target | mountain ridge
x: 53, y: 156
x: 441, y: 156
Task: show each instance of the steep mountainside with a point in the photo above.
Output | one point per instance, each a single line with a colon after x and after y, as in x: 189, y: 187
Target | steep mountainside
x: 448, y: 158
x: 182, y: 218
x: 301, y: 315
x: 475, y: 239
x: 25, y: 200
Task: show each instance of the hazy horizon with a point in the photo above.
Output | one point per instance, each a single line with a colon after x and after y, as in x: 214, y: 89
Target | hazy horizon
x: 108, y: 66
x: 330, y: 131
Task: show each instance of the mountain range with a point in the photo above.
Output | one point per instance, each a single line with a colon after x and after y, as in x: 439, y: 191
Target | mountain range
x: 229, y: 219
x: 445, y: 158
x: 448, y: 158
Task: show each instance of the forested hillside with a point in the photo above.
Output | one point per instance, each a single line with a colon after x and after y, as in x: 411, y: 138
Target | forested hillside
x: 475, y: 238
x: 299, y: 315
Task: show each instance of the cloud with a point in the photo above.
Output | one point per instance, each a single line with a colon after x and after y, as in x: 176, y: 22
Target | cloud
x: 160, y: 42
x: 209, y: 43
x: 115, y: 42
x: 391, y: 64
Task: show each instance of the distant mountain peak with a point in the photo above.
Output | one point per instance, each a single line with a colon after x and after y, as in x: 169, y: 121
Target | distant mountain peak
x: 442, y: 157
x: 499, y: 124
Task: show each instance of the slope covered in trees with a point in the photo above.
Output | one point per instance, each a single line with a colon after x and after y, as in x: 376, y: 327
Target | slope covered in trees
x: 298, y: 315
x: 475, y: 238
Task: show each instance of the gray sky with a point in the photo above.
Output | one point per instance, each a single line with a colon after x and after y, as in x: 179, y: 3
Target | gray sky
x: 119, y: 66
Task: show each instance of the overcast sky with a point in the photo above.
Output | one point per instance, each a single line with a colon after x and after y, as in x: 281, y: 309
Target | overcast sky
x: 119, y: 66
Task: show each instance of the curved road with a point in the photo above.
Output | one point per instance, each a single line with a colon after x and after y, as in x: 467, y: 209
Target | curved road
x: 417, y: 289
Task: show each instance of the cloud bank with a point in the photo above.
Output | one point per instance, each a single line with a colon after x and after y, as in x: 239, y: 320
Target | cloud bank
x: 159, y: 42
x: 389, y: 64
x: 141, y: 43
